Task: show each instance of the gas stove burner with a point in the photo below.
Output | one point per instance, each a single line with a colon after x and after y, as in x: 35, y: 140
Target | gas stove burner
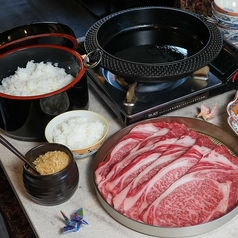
x: 123, y: 84
x: 221, y: 78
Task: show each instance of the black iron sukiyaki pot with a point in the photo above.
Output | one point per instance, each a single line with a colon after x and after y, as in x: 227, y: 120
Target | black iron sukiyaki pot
x: 152, y: 43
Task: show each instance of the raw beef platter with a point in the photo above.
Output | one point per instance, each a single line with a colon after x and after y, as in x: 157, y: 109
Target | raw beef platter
x: 165, y: 174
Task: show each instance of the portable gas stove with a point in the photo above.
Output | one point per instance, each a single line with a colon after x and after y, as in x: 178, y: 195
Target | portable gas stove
x: 152, y: 100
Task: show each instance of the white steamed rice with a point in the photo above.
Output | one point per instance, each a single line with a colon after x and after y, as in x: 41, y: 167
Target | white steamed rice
x: 78, y: 132
x: 35, y: 79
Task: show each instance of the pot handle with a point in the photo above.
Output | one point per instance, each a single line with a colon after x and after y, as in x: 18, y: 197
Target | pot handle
x: 211, y: 19
x: 86, y: 60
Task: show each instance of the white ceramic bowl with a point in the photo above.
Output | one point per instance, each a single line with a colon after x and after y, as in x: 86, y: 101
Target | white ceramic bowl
x: 91, y: 116
x: 229, y: 7
x: 232, y: 110
x: 225, y: 24
x: 230, y: 35
x: 225, y: 20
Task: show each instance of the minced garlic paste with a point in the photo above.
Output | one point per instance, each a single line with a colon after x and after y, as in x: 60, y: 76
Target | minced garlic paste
x: 51, y: 162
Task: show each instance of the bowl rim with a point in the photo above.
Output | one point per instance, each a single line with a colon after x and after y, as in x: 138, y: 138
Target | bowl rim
x: 62, y: 35
x: 223, y: 14
x: 77, y: 78
x: 72, y: 112
x: 224, y: 11
x: 227, y: 24
x: 227, y: 29
x: 35, y: 26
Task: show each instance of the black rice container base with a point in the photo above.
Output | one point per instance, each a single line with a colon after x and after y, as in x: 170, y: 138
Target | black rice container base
x: 53, y: 189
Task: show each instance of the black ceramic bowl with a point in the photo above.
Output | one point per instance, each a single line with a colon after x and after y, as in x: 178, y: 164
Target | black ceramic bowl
x: 25, y: 118
x: 53, y: 189
x: 52, y: 33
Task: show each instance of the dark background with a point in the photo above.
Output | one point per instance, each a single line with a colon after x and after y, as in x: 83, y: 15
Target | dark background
x: 78, y: 14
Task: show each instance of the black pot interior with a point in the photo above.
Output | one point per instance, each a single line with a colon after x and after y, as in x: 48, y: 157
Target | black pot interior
x: 152, y: 37
x: 153, y: 44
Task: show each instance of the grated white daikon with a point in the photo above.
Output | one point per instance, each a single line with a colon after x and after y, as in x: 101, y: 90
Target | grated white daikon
x: 78, y: 132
